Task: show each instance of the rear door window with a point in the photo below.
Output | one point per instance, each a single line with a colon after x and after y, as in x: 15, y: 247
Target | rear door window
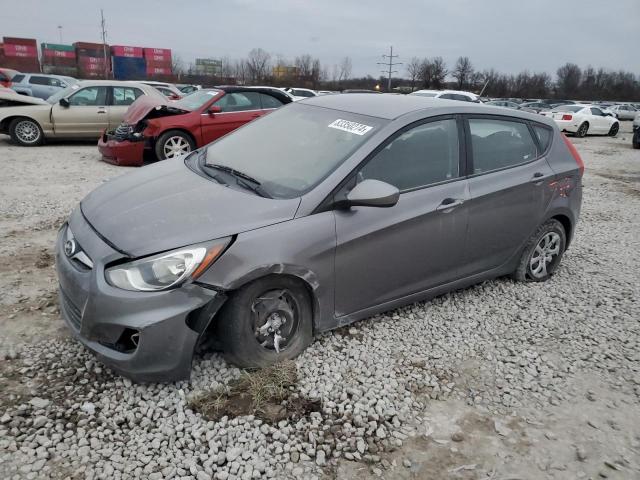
x: 239, y: 102
x: 270, y: 102
x: 498, y: 144
x: 123, y: 96
x: 55, y: 82
x: 421, y: 156
x: 37, y: 80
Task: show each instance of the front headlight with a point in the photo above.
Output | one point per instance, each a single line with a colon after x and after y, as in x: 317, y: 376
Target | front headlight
x: 165, y: 270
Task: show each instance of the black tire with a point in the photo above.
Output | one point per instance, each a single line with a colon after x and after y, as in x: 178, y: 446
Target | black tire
x: 251, y: 307
x: 26, y: 132
x: 635, y: 141
x: 163, y: 142
x: 525, y: 271
x: 613, y: 131
x: 582, y: 130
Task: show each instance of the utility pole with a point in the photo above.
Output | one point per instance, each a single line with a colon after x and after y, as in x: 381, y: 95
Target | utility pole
x: 104, y: 44
x: 390, y: 64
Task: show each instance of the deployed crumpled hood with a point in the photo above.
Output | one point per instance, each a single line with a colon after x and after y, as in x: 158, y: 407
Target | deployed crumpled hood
x: 12, y: 98
x: 165, y: 206
x: 144, y: 105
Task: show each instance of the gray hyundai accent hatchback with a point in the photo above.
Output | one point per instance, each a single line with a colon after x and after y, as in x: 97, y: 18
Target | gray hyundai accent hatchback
x: 323, y: 212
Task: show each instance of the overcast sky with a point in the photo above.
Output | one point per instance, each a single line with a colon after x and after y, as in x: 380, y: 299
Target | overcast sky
x: 509, y: 35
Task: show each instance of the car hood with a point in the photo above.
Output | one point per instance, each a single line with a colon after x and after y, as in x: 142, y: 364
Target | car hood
x: 166, y: 205
x: 10, y: 97
x: 147, y: 106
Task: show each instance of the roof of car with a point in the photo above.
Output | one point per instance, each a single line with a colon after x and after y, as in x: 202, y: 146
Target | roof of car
x: 381, y: 106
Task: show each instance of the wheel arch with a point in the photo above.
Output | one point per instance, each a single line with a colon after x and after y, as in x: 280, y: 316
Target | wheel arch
x: 5, y: 122
x: 567, y: 224
x: 176, y: 129
x: 304, y: 277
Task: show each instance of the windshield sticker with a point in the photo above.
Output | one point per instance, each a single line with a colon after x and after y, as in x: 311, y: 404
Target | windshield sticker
x: 351, y: 127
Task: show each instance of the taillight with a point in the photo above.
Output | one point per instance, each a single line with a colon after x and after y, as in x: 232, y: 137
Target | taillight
x: 574, y: 152
x: 567, y: 117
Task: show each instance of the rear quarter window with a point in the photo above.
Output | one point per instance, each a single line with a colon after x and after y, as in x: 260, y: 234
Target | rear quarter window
x: 35, y: 80
x: 17, y: 78
x: 544, y: 136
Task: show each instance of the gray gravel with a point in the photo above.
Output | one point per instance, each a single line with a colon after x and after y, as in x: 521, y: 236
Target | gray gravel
x: 500, y: 348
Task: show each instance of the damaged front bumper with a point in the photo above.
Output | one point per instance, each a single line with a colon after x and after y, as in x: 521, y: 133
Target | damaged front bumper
x: 146, y: 336
x: 122, y: 149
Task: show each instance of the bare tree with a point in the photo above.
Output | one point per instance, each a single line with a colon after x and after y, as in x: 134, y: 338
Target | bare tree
x: 345, y: 69
x: 569, y: 76
x: 439, y: 72
x: 413, y: 69
x: 226, y: 67
x: 240, y: 71
x: 258, y: 64
x: 426, y: 72
x: 304, y: 64
x: 462, y: 72
x: 316, y: 73
x: 177, y: 66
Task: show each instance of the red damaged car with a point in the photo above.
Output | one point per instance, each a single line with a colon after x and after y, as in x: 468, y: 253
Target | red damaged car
x: 170, y: 129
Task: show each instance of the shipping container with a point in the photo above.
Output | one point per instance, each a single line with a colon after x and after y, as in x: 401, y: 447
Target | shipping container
x: 21, y: 64
x: 18, y: 50
x: 155, y: 64
x: 58, y: 47
x: 154, y: 71
x: 164, y: 52
x: 46, y: 53
x: 29, y: 42
x: 128, y: 68
x: 124, y: 51
x: 90, y: 46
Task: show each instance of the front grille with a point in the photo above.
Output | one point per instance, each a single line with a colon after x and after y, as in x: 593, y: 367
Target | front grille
x: 72, y: 312
x: 123, y: 131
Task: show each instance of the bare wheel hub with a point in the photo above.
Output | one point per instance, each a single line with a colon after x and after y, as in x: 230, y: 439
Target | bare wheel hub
x: 275, y: 319
x: 545, y: 253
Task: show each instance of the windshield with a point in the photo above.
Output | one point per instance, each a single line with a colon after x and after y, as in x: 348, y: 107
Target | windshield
x: 568, y: 108
x: 196, y: 99
x: 424, y: 94
x: 55, y: 98
x: 294, y: 148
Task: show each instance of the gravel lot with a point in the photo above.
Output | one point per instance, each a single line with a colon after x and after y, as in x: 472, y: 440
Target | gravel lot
x: 500, y: 381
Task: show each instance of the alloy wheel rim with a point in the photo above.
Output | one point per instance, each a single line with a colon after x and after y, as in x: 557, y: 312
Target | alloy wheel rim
x: 27, y: 131
x: 175, y: 146
x: 583, y: 130
x: 275, y: 319
x: 614, y: 129
x: 544, y: 255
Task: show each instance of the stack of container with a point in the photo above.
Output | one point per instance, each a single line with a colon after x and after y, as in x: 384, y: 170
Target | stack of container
x: 158, y: 61
x: 92, y: 61
x: 128, y: 62
x: 20, y: 54
x: 59, y: 59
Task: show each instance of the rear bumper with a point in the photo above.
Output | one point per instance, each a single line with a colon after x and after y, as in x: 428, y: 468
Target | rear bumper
x: 567, y: 126
x: 167, y: 324
x: 121, y: 152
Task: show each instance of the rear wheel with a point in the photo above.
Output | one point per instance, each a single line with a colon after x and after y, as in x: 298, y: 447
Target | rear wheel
x: 542, y: 253
x: 174, y: 143
x: 613, y: 131
x: 582, y: 130
x: 26, y: 132
x: 636, y: 139
x: 266, y: 321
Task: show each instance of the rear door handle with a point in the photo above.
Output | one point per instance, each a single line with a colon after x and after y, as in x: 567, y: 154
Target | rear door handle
x: 540, y: 177
x: 449, y: 203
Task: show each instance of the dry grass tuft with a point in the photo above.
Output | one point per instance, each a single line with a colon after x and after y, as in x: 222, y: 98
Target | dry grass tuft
x: 268, y: 393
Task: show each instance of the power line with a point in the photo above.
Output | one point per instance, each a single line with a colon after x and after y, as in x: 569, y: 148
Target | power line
x: 390, y: 64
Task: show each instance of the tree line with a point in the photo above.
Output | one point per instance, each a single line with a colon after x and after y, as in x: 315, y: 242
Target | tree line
x: 570, y: 81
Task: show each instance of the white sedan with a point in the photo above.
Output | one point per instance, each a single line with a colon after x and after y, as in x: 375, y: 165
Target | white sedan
x: 583, y: 119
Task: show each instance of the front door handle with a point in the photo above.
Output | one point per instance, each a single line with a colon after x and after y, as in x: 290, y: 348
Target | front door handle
x: 102, y: 110
x: 449, y: 203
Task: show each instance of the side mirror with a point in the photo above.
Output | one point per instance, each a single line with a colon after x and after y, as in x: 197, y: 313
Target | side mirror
x: 372, y: 193
x: 64, y: 102
x: 213, y: 109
